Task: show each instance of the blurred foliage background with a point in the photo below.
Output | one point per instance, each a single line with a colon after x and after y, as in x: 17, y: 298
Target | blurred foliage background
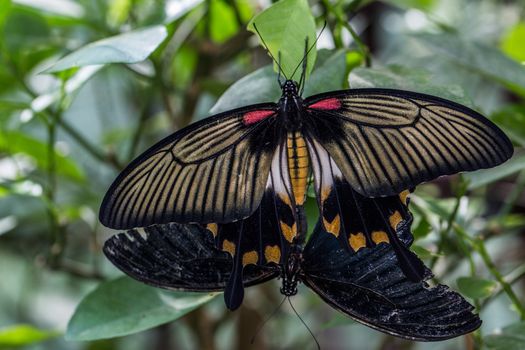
x: 74, y: 110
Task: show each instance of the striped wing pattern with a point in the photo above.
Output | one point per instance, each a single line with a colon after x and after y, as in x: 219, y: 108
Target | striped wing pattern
x: 385, y: 141
x: 212, y: 171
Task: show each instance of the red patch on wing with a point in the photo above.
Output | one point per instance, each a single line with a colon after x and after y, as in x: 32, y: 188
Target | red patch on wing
x: 327, y: 105
x: 256, y: 116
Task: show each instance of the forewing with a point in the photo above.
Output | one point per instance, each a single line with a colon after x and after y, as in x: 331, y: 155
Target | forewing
x: 370, y: 287
x: 212, y: 171
x: 385, y: 141
x: 176, y: 256
x: 359, y: 222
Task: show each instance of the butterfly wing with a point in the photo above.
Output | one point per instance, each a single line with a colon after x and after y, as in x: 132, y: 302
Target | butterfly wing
x: 212, y: 171
x: 217, y: 256
x: 357, y: 221
x: 177, y: 256
x: 385, y: 141
x: 370, y: 287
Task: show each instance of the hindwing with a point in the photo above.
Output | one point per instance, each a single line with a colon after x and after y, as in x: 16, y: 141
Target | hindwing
x: 370, y: 287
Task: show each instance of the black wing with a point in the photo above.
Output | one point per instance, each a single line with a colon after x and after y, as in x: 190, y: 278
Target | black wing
x: 212, y: 171
x: 385, y: 141
x: 360, y: 222
x: 352, y: 284
x: 179, y: 257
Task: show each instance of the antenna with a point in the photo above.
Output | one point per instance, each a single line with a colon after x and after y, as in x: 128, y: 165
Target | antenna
x: 269, y: 52
x: 304, y: 324
x: 307, y: 52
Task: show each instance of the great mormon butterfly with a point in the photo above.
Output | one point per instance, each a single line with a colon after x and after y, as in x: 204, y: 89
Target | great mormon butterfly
x: 241, y: 177
x: 378, y: 141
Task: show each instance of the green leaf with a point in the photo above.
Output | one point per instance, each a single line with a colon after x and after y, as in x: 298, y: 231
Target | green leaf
x: 512, y: 120
x: 130, y: 47
x: 511, y: 338
x: 485, y: 176
x: 423, y: 253
x: 13, y: 142
x: 259, y: 86
x: 483, y: 59
x: 124, y: 306
x: 223, y: 24
x: 284, y: 26
x: 422, y: 229
x: 475, y: 287
x: 513, y: 43
x: 329, y: 74
x: 420, y: 4
x: 406, y: 78
x: 23, y: 334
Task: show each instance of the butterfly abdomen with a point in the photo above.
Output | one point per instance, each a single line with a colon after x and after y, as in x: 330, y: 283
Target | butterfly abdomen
x: 298, y: 165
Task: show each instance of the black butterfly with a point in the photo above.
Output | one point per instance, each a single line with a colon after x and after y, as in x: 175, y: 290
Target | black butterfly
x: 367, y: 284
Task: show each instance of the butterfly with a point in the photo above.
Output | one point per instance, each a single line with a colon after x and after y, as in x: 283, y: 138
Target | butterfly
x: 365, y: 283
x: 376, y: 142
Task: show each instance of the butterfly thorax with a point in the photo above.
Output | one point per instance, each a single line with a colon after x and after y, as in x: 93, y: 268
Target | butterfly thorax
x: 291, y: 106
x: 291, y: 271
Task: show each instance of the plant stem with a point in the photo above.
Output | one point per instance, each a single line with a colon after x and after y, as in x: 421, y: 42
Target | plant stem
x: 444, y: 233
x: 480, y: 248
x: 343, y: 21
x: 519, y: 186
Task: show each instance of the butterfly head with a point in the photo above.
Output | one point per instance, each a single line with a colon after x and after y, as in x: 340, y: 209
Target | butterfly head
x: 290, y: 88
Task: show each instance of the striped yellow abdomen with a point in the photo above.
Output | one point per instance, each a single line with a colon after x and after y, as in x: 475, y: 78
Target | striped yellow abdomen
x: 298, y: 166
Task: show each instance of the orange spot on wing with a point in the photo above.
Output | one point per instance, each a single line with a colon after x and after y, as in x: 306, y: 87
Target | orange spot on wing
x: 272, y: 254
x: 395, y: 219
x: 229, y: 247
x: 357, y: 241
x: 250, y: 257
x: 334, y: 226
x: 288, y: 232
x: 213, y: 228
x: 404, y: 196
x: 379, y: 236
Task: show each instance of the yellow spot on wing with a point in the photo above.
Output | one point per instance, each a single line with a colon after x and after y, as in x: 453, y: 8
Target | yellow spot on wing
x: 229, y: 247
x: 288, y: 232
x: 213, y: 228
x: 357, y: 241
x: 395, y: 219
x: 286, y: 200
x: 334, y: 226
x: 250, y: 257
x: 379, y: 236
x: 404, y: 196
x: 325, y: 192
x: 272, y: 253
